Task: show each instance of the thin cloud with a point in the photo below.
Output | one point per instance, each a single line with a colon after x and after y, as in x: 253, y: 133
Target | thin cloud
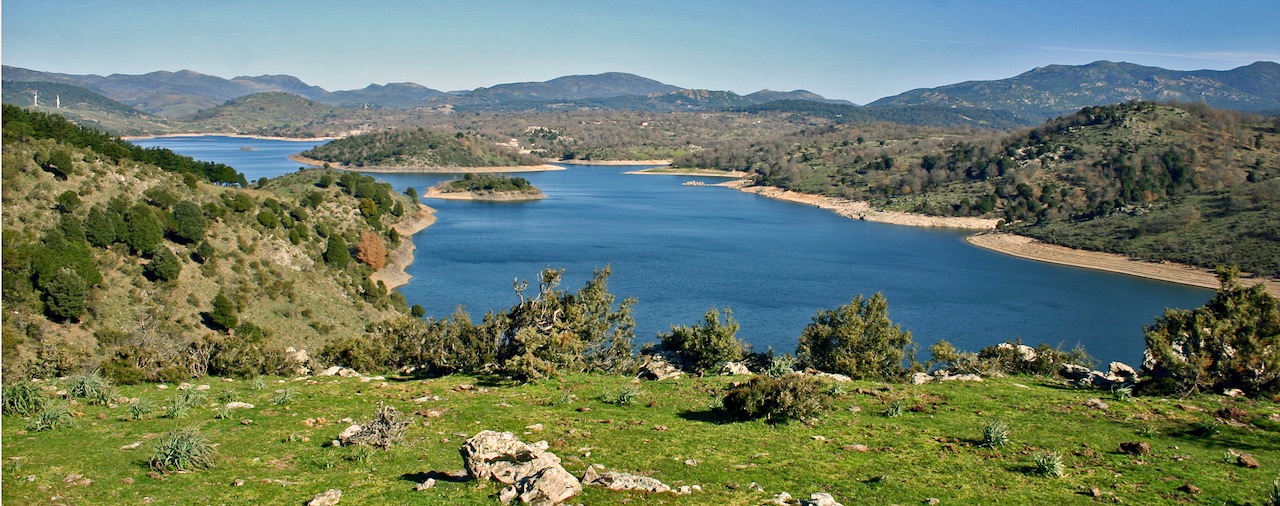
x: 1205, y: 55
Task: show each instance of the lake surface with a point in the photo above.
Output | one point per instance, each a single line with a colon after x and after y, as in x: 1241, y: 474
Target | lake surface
x: 681, y: 250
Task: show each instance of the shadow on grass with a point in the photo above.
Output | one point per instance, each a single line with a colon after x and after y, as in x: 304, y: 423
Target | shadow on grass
x: 450, y: 476
x: 714, y: 416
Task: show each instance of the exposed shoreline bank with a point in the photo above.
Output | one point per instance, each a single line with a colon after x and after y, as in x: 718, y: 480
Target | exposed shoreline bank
x: 425, y: 170
x: 614, y: 162
x: 394, y: 274
x: 658, y: 171
x: 1009, y: 244
x: 220, y: 134
x: 1032, y: 249
x: 860, y: 210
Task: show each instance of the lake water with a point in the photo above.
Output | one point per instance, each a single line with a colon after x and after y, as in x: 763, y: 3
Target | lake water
x: 681, y: 250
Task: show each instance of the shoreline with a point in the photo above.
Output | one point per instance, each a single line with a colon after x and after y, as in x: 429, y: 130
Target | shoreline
x: 734, y: 174
x: 216, y: 134
x: 394, y: 274
x: 861, y: 210
x: 425, y: 170
x: 1032, y: 249
x: 613, y: 162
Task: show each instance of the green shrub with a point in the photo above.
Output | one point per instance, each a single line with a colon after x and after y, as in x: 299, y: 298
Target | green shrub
x: 706, y: 345
x: 183, y: 450
x: 857, y: 340
x: 1233, y: 341
x: 777, y: 400
x: 360, y: 352
x: 123, y: 371
x: 53, y: 416
x: 22, y: 399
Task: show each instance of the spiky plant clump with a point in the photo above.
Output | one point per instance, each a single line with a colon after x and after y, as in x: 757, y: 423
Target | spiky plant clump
x: 1273, y: 498
x: 1049, y: 464
x: 780, y: 366
x: 183, y: 450
x: 625, y: 395
x: 93, y: 387
x: 995, y: 433
x: 284, y: 396
x: 895, y: 410
x: 22, y: 400
x: 53, y: 416
x: 140, y: 409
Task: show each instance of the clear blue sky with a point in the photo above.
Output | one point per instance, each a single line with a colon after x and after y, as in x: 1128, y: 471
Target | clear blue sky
x: 855, y: 50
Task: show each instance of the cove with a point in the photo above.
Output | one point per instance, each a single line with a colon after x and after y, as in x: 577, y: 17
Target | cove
x: 681, y: 250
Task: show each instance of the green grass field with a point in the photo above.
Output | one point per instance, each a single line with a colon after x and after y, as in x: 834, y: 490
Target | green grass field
x: 881, y: 444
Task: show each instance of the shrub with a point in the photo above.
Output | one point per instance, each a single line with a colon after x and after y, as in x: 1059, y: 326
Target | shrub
x: 708, y: 344
x: 360, y: 352
x: 123, y: 371
x: 224, y: 314
x: 164, y: 265
x: 183, y: 450
x: 53, y: 416
x: 22, y: 400
x: 336, y: 253
x: 995, y: 433
x: 857, y: 340
x: 385, y: 430
x: 777, y: 400
x: 1233, y: 341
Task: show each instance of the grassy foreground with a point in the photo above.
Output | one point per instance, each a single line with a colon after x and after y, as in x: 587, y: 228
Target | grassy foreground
x: 881, y: 444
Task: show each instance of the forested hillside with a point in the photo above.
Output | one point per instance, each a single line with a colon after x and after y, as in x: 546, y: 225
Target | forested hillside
x: 151, y: 265
x: 420, y: 148
x: 1184, y: 183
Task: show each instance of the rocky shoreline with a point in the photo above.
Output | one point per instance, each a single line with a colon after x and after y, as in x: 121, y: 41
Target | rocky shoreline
x: 394, y: 274
x: 425, y: 170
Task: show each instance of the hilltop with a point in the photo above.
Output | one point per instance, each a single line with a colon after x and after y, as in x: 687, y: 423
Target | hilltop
x: 419, y: 149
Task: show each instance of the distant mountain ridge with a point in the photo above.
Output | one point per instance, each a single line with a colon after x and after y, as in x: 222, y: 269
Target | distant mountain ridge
x: 183, y: 93
x: 1054, y: 90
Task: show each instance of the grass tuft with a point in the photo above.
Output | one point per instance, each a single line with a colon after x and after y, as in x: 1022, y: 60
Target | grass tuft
x: 22, y: 400
x: 53, y: 416
x: 1048, y: 464
x: 995, y: 433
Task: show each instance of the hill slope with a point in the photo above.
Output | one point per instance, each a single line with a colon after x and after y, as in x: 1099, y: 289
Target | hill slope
x: 84, y: 107
x: 112, y: 261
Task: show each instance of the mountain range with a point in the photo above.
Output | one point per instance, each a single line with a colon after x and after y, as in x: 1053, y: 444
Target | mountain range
x: 1026, y: 99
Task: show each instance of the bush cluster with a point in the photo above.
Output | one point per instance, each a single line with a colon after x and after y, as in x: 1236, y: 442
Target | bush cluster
x: 707, y: 345
x: 777, y: 400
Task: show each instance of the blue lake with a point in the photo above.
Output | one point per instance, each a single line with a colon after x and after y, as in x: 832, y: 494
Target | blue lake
x: 681, y: 250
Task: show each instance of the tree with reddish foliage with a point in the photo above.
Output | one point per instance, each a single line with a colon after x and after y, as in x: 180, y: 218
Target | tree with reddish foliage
x: 371, y: 250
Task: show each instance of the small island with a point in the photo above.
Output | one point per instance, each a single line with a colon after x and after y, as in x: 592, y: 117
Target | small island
x: 490, y: 187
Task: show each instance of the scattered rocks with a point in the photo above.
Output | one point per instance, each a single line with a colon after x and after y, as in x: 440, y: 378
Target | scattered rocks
x: 132, y: 445
x: 838, y: 378
x: 820, y: 499
x: 857, y: 448
x: 344, y: 437
x: 1074, y: 372
x: 1189, y: 488
x: 127, y: 480
x: 300, y: 360
x: 1096, y: 404
x: 614, y: 480
x: 239, y: 405
x: 533, y: 474
x: 327, y: 498
x: 237, y: 483
x: 1233, y: 392
x: 932, y: 501
x: 960, y: 377
x: 431, y: 482
x: 921, y: 378
x: 1139, y: 448
x: 1122, y: 370
x: 781, y: 498
x: 1246, y: 460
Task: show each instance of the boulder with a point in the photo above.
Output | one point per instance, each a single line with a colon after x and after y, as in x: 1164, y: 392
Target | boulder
x: 613, y: 480
x: 657, y: 367
x: 1074, y: 372
x: 820, y: 499
x: 535, y: 475
x: 735, y: 369
x: 327, y: 498
x: 1122, y: 370
x: 1139, y: 448
x: 344, y: 438
x: 239, y: 405
x: 299, y: 359
x: 920, y: 378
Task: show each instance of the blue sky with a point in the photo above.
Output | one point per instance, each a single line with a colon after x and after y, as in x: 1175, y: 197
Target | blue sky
x: 854, y: 50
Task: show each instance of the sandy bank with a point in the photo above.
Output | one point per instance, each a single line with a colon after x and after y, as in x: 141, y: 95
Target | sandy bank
x: 436, y: 193
x: 393, y: 274
x: 862, y: 210
x: 1026, y: 247
x: 663, y: 171
x: 425, y: 170
x: 614, y: 162
x: 223, y: 134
